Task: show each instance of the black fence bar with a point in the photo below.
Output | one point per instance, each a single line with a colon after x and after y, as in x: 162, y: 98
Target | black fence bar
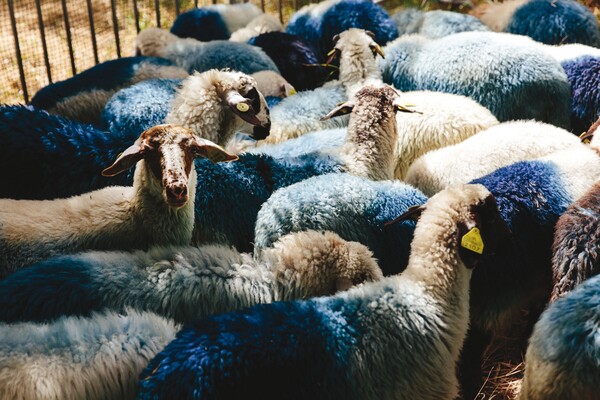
x: 93, y: 31
x: 113, y: 9
x: 280, y: 3
x: 177, y: 7
x: 157, y: 6
x: 69, y: 38
x: 262, y: 5
x: 196, y: 3
x: 13, y: 22
x: 43, y: 37
x: 136, y: 15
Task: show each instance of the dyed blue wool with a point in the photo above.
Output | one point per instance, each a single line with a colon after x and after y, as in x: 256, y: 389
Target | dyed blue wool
x: 139, y: 107
x: 436, y: 24
x: 563, y: 356
x: 201, y: 24
x: 513, y: 80
x: 584, y: 79
x: 325, y: 140
x: 556, y: 22
x: 83, y: 96
x: 320, y: 28
x: 292, y: 55
x: 355, y: 208
x: 230, y: 195
x: 60, y: 158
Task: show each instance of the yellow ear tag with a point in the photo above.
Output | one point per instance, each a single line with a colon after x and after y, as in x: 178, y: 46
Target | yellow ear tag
x: 243, y: 107
x: 293, y: 92
x: 472, y: 241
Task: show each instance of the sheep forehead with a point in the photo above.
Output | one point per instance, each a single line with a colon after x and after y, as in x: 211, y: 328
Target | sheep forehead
x: 354, y: 36
x: 383, y: 93
x: 460, y: 198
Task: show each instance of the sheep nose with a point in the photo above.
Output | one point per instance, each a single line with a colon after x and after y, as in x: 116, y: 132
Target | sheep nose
x: 177, y: 194
x: 261, y: 132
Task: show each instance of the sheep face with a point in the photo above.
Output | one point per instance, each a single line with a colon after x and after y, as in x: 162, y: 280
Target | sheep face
x: 354, y: 44
x: 169, y: 152
x: 239, y: 91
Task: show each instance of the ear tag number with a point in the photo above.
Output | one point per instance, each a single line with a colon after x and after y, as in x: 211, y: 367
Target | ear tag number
x: 242, y: 107
x: 472, y: 241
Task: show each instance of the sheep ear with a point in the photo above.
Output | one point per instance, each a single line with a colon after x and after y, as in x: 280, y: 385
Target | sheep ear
x: 341, y: 109
x: 207, y: 149
x: 376, y: 49
x: 126, y: 160
x: 413, y: 213
x: 242, y: 107
x: 331, y: 56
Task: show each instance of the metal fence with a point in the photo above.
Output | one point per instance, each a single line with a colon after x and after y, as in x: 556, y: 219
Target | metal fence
x: 52, y: 40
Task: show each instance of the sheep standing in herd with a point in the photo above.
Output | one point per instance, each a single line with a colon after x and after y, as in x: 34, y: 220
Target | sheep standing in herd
x: 395, y: 339
x: 186, y: 283
x: 157, y: 210
x: 93, y: 358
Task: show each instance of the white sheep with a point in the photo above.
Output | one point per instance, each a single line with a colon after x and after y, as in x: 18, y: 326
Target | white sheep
x: 156, y: 210
x: 186, y: 283
x: 399, y: 338
x: 99, y: 357
x: 496, y: 147
x: 262, y: 24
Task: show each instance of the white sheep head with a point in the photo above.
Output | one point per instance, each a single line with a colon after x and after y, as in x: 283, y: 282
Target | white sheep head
x: 153, y: 41
x: 168, y: 152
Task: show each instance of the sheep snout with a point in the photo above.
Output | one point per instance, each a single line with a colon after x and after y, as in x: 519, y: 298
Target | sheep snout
x: 176, y: 194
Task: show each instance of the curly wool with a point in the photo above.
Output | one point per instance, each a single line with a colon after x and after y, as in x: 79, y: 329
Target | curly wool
x: 437, y: 23
x: 505, y: 73
x: 295, y: 58
x: 202, y: 24
x: 584, y: 79
x: 186, y: 283
x: 563, y: 353
x: 355, y: 208
x: 99, y: 357
x: 82, y: 97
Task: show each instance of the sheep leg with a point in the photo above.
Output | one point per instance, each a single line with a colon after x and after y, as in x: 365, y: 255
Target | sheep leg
x: 469, y: 365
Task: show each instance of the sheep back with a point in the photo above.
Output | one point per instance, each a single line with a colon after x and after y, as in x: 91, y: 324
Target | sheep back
x: 219, y: 54
x: 563, y: 353
x: 436, y: 24
x: 513, y: 80
x: 82, y: 97
x: 292, y: 54
x: 584, y: 79
x: 575, y: 249
x: 302, y: 113
x: 95, y: 358
x: 140, y: 106
x: 555, y: 22
x: 325, y: 140
x: 230, y: 195
x: 201, y: 24
x: 355, y: 208
x: 60, y: 158
x: 531, y: 196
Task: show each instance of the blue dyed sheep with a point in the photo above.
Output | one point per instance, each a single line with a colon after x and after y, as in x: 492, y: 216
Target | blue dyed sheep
x: 82, y: 97
x: 319, y: 23
x: 395, y: 339
x: 562, y: 360
x: 584, y: 78
x: 214, y: 22
x: 186, y: 283
x: 353, y: 207
x: 295, y: 58
x: 80, y: 358
x: 437, y: 23
x: 193, y: 55
x: 202, y: 24
x: 506, y: 74
x: 531, y: 196
x: 546, y: 21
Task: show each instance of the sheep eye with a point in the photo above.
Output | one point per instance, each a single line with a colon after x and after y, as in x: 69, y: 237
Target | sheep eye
x: 254, y: 99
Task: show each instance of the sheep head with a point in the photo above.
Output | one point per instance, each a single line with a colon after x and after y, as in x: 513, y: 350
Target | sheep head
x: 354, y: 44
x: 240, y: 93
x: 152, y: 42
x: 169, y: 152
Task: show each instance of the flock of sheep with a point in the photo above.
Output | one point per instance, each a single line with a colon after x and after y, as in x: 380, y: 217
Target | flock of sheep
x: 355, y: 206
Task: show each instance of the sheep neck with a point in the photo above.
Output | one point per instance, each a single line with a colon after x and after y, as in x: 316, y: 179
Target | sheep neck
x: 370, y: 144
x: 164, y: 224
x: 435, y: 265
x: 358, y: 69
